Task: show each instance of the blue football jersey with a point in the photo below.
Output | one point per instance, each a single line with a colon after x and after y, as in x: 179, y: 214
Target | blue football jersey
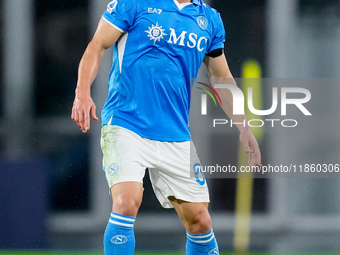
x: 154, y: 63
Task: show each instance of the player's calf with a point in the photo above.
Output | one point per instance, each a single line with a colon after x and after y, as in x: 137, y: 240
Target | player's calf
x: 195, y: 216
x: 200, y: 236
x: 196, y: 220
x: 119, y: 235
x: 199, y: 222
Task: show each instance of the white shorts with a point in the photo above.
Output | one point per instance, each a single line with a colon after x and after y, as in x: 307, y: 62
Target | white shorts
x: 172, y: 173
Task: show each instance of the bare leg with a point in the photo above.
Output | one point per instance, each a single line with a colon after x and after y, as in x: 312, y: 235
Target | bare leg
x: 127, y: 198
x: 119, y: 235
x: 196, y: 220
x: 195, y: 216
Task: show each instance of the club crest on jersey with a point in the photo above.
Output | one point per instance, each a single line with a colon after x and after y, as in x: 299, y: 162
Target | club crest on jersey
x: 202, y: 22
x: 156, y: 33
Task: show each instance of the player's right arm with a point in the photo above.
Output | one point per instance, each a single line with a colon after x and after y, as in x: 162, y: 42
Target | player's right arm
x: 83, y: 106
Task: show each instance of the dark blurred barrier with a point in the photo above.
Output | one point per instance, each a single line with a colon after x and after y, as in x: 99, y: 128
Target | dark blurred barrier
x: 23, y: 203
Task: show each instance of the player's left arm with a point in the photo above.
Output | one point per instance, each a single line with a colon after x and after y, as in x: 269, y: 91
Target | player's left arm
x: 219, y: 73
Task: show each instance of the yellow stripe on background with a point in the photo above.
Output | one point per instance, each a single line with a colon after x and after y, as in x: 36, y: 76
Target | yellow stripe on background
x: 251, y: 74
x: 251, y: 78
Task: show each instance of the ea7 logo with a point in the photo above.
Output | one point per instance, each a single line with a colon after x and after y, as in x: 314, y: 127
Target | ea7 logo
x: 154, y: 10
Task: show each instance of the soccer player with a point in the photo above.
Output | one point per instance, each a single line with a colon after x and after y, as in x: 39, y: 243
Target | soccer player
x: 159, y: 46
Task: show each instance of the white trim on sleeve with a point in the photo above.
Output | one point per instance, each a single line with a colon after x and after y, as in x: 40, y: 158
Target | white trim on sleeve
x: 119, y: 29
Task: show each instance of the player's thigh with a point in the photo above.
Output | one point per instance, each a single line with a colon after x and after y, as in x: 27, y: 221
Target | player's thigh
x: 125, y: 155
x: 195, y: 216
x: 127, y: 198
x: 124, y: 166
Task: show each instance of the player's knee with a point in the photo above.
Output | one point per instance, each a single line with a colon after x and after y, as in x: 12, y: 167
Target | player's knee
x: 199, y: 223
x: 126, y: 205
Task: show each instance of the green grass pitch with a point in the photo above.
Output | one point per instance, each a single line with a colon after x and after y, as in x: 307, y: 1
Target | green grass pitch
x: 84, y: 253
x: 74, y: 253
x: 100, y: 253
x: 78, y: 253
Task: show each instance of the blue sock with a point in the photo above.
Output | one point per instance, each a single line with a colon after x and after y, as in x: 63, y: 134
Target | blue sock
x: 119, y: 237
x: 202, y: 244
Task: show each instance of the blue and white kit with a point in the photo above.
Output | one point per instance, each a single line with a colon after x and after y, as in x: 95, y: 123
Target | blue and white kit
x: 146, y: 115
x: 145, y: 119
x: 154, y: 63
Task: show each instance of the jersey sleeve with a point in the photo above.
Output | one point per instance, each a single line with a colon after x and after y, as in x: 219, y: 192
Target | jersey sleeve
x: 121, y: 14
x: 218, y: 37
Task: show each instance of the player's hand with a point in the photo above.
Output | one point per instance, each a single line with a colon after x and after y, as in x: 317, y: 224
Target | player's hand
x: 83, y: 107
x: 251, y: 147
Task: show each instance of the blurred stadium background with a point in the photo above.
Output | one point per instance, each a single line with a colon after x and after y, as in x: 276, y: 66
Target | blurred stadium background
x: 53, y: 194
